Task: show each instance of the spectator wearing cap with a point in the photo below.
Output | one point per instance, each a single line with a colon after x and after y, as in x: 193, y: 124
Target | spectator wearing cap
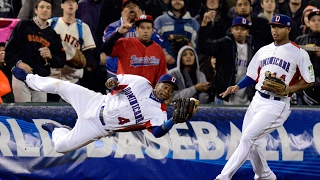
x: 131, y: 11
x: 233, y: 54
x: 139, y: 55
x: 311, y: 96
x: 176, y: 22
x: 304, y: 19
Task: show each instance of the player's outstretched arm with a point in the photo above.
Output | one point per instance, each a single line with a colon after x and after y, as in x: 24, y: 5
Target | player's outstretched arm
x: 159, y: 131
x: 245, y: 82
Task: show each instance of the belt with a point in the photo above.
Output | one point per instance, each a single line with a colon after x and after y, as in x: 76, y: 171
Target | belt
x: 267, y: 96
x: 101, y: 116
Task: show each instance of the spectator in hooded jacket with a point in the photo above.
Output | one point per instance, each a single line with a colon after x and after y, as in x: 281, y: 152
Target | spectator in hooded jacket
x: 177, y: 21
x: 192, y: 82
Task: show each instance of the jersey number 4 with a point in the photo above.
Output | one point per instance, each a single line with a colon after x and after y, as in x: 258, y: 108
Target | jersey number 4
x: 123, y: 120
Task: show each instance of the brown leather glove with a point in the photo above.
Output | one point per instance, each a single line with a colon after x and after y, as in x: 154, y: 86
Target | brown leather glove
x: 78, y: 61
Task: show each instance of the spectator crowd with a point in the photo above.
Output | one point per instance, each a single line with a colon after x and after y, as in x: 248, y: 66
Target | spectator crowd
x: 206, y: 44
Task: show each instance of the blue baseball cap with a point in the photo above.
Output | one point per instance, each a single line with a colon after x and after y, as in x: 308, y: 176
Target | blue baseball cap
x: 241, y: 21
x: 280, y: 19
x: 167, y: 78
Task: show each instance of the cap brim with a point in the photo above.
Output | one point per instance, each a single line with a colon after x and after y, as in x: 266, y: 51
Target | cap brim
x: 144, y: 20
x: 243, y: 25
x: 175, y: 87
x: 279, y: 24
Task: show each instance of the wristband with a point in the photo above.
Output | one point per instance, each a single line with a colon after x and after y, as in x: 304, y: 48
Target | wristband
x: 168, y: 124
x: 245, y: 82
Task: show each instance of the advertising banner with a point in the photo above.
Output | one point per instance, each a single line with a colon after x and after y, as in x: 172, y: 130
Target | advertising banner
x: 194, y: 150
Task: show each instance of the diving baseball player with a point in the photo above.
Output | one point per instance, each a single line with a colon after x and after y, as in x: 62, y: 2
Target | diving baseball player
x: 132, y: 105
x: 280, y: 61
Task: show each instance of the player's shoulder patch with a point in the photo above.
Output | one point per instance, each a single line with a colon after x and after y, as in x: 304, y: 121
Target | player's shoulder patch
x: 296, y: 45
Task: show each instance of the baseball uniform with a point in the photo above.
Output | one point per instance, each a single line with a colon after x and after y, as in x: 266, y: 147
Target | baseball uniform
x: 131, y: 106
x: 267, y: 111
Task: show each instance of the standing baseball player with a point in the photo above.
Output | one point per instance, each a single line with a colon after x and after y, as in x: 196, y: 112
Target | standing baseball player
x: 132, y: 105
x: 279, y: 69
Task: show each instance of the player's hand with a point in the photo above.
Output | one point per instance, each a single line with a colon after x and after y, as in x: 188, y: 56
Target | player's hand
x: 230, y: 90
x: 25, y: 67
x: 208, y: 17
x: 170, y: 59
x: 124, y: 28
x: 45, y: 53
x: 112, y: 83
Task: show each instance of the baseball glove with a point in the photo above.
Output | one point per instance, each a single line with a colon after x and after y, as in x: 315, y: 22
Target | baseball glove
x: 78, y: 61
x: 275, y: 84
x: 184, y: 109
x: 177, y: 42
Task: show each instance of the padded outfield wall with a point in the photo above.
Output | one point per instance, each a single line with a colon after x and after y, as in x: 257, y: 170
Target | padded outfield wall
x: 194, y: 150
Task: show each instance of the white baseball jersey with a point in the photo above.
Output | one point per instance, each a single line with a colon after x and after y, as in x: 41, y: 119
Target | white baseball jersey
x: 132, y: 106
x: 69, y: 35
x: 288, y: 61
